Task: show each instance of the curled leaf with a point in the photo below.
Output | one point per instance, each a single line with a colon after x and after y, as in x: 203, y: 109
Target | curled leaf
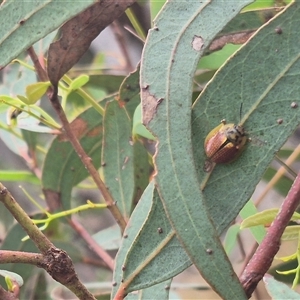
x: 78, y: 33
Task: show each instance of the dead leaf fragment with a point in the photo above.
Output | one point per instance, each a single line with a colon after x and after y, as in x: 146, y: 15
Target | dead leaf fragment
x: 78, y: 33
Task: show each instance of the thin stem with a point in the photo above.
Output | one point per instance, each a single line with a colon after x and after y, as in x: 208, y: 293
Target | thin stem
x: 135, y: 23
x: 119, y: 34
x: 55, y: 261
x: 39, y: 239
x: 92, y: 243
x: 263, y: 257
x: 81, y: 92
x: 20, y: 257
x: 37, y: 64
x: 86, y: 160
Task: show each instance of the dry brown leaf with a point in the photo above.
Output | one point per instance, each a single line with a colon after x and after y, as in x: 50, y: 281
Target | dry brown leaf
x: 78, y: 33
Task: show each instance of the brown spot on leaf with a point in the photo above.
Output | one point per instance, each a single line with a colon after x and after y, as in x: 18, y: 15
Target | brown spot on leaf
x: 149, y: 106
x: 79, y: 128
x: 236, y: 38
x: 197, y: 42
x: 95, y: 131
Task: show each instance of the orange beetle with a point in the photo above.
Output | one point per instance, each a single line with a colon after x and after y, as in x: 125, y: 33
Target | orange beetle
x: 224, y: 143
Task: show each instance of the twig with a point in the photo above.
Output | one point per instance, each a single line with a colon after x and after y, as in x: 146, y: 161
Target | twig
x: 92, y: 243
x: 39, y: 239
x: 263, y: 257
x: 38, y: 67
x: 55, y: 261
x: 86, y: 160
x: 122, y: 44
x: 20, y: 257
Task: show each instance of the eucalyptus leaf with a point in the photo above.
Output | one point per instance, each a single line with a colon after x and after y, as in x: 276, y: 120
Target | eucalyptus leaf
x: 166, y: 85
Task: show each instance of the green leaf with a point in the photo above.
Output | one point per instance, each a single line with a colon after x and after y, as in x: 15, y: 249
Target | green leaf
x: 109, y: 83
x: 79, y: 82
x: 23, y: 99
x: 166, y: 82
x: 291, y: 233
x: 155, y: 7
x: 265, y: 217
x: 231, y: 238
x: 278, y: 290
x: 31, y: 140
x: 130, y: 86
x: 19, y: 20
x: 259, y: 4
x: 158, y: 291
x: 148, y: 226
x: 248, y: 212
x: 35, y: 91
x: 266, y: 97
x: 118, y: 156
x: 138, y: 128
x: 249, y: 20
x: 13, y: 241
x: 216, y: 59
x: 108, y: 238
x: 289, y: 265
x: 12, y: 276
x: 129, y: 92
x: 17, y: 176
x: 6, y: 219
x: 14, y: 81
x: 142, y: 169
x: 62, y: 167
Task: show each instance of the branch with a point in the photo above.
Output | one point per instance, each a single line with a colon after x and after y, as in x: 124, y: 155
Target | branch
x: 263, y: 257
x: 86, y: 160
x: 55, y: 261
x: 20, y: 257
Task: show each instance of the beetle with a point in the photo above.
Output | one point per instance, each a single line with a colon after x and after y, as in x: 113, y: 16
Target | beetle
x: 224, y: 144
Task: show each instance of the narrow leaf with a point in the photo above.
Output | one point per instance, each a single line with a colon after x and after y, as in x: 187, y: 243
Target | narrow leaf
x: 35, y: 91
x: 229, y: 186
x: 118, y: 156
x: 278, y: 290
x: 79, y: 82
x: 62, y: 167
x: 25, y: 22
x: 166, y: 87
